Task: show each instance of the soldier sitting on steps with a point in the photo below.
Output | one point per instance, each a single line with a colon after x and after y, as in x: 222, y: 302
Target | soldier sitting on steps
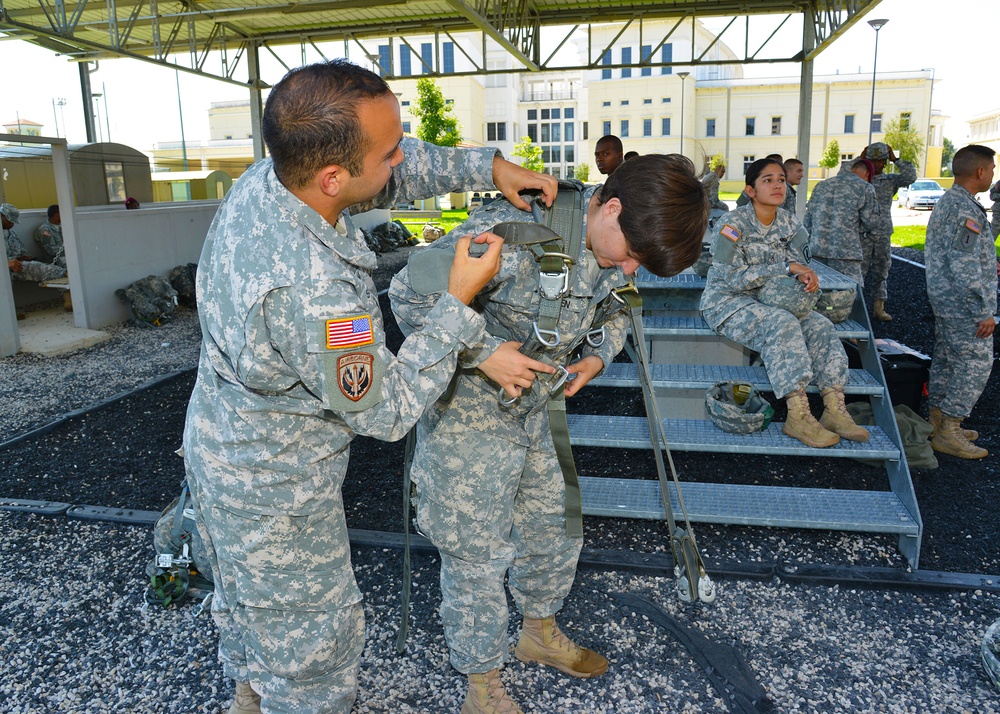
x: 758, y: 244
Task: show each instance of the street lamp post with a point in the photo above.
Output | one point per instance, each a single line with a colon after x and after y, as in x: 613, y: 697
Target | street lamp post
x: 683, y: 76
x: 876, y: 25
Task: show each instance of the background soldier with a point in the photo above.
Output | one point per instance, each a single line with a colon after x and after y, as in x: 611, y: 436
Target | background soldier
x: 962, y: 287
x: 23, y: 265
x: 876, y: 253
x: 608, y: 154
x: 794, y: 171
x: 49, y: 237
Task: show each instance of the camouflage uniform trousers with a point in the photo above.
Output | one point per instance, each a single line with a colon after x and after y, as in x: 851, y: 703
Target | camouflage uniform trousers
x: 793, y: 350
x: 850, y: 268
x: 960, y: 366
x: 876, y: 256
x: 35, y: 271
x: 275, y: 603
x: 491, y: 507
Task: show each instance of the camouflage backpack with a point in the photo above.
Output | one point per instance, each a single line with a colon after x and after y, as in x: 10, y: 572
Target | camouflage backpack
x: 182, y: 279
x: 180, y: 568
x: 150, y: 300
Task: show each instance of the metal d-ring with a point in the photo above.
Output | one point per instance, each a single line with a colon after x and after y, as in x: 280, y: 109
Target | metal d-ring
x: 541, y: 334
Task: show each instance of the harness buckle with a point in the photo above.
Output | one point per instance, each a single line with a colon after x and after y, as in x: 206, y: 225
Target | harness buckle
x: 554, y: 285
x: 561, y: 375
x: 553, y: 335
x: 504, y: 402
x: 595, y: 338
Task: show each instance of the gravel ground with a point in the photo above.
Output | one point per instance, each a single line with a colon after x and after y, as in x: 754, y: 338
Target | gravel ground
x: 829, y: 649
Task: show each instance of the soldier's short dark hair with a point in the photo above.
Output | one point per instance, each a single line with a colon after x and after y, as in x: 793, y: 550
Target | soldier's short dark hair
x: 611, y: 140
x: 664, y: 210
x: 789, y: 163
x: 53, y: 211
x: 968, y: 159
x: 310, y: 120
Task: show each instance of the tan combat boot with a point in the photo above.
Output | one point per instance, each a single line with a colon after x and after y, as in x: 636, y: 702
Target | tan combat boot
x: 802, y: 425
x: 487, y: 695
x: 879, y: 312
x: 246, y: 701
x: 950, y: 440
x: 836, y: 418
x: 542, y: 641
x: 935, y: 420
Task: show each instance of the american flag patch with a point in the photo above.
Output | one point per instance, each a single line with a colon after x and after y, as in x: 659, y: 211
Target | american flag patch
x: 729, y: 232
x: 349, y: 332
x: 972, y: 225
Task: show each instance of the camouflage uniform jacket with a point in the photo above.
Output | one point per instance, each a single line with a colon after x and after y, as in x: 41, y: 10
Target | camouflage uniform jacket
x: 961, y: 258
x: 711, y: 183
x: 995, y: 197
x: 886, y: 186
x: 49, y: 238
x: 293, y: 362
x: 791, y: 196
x: 762, y: 252
x: 840, y: 209
x: 510, y: 305
x: 14, y: 246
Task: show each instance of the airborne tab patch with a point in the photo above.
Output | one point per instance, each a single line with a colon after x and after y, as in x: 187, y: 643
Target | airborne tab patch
x: 730, y: 232
x: 349, y: 332
x: 355, y: 375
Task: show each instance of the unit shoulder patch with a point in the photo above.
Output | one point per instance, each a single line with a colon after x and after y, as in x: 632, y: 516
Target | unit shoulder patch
x: 355, y: 374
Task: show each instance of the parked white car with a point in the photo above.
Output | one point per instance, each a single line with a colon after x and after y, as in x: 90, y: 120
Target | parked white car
x: 920, y: 194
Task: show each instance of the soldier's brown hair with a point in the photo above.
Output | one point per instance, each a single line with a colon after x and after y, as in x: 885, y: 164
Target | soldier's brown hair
x: 968, y: 159
x: 664, y: 210
x: 310, y: 120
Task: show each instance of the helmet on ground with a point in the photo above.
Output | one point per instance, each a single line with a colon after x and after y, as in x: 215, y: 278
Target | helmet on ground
x: 788, y: 293
x: 836, y: 305
x: 737, y: 407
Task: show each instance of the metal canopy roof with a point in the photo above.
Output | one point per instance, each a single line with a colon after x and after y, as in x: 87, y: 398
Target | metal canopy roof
x: 212, y: 37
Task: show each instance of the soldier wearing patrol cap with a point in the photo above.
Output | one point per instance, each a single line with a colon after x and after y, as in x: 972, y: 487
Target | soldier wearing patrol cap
x: 23, y: 265
x: 294, y: 365
x: 488, y: 471
x: 962, y: 288
x: 758, y: 244
x: 876, y: 245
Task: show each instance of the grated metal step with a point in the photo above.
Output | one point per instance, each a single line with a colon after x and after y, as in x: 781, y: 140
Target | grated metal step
x: 829, y: 279
x: 702, y: 435
x: 703, y: 376
x: 735, y: 504
x: 661, y: 325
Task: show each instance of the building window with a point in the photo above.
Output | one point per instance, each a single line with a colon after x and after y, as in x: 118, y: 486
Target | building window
x: 449, y: 101
x: 406, y: 127
x: 846, y: 157
x: 775, y: 126
x: 384, y: 60
x: 751, y: 126
x: 569, y: 152
x: 545, y: 114
x: 624, y: 102
x: 568, y: 131
x: 666, y: 100
x: 626, y: 59
x: 606, y: 59
x: 647, y: 127
x: 877, y: 123
x: 607, y: 128
x: 405, y: 70
x: 546, y: 154
x: 557, y: 154
x: 555, y: 113
x: 427, y: 55
x: 665, y: 126
x: 448, y: 51
x: 747, y: 160
x: 647, y: 101
x: 532, y: 114
x: 586, y: 131
x: 623, y: 133
x: 848, y: 123
x: 667, y: 55
x: 496, y: 131
x: 556, y: 131
x: 606, y: 104
x: 904, y: 120
x: 533, y: 133
x: 405, y: 102
x: 568, y: 113
x: 545, y: 134
x: 710, y: 127
x: 646, y: 51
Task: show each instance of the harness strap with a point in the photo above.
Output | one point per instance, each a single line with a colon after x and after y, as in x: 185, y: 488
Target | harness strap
x: 404, y: 618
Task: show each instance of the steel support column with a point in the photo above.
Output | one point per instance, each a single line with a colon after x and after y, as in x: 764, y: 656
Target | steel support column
x: 256, y: 103
x: 805, y: 105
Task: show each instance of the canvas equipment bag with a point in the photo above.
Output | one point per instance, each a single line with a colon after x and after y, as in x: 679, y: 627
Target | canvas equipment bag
x: 182, y: 279
x: 180, y: 569
x: 150, y: 300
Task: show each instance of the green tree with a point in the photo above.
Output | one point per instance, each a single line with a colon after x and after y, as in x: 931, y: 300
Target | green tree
x: 438, y: 123
x: 716, y: 161
x: 530, y: 154
x: 947, y: 154
x: 904, y: 140
x: 582, y: 172
x: 831, y: 156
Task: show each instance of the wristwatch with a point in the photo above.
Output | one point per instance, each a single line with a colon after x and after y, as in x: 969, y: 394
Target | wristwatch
x: 788, y: 268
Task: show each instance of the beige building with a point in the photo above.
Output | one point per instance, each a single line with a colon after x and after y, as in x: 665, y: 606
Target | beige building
x: 985, y: 129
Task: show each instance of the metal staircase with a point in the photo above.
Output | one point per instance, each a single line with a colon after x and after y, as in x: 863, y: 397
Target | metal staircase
x: 687, y: 358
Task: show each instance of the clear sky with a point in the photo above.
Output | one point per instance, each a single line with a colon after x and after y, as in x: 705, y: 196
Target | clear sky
x: 142, y: 99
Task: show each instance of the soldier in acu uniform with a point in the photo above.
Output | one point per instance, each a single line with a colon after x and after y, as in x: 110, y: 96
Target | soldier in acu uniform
x: 962, y: 287
x: 876, y: 245
x: 294, y: 365
x: 491, y: 492
x: 795, y: 170
x: 995, y: 197
x: 49, y: 237
x: 840, y: 210
x: 756, y: 244
x: 23, y: 265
